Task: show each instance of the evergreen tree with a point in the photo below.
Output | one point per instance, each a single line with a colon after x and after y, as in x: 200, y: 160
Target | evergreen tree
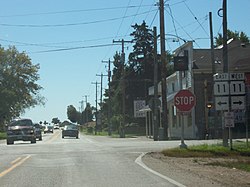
x: 230, y: 34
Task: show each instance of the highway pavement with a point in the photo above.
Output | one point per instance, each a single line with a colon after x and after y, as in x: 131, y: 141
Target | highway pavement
x: 90, y: 161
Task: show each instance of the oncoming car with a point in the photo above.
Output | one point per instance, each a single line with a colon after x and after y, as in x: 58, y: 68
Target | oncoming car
x: 21, y: 129
x: 48, y: 129
x: 70, y: 130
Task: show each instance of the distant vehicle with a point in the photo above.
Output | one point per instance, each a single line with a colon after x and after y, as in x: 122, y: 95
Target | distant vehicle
x: 38, y: 131
x: 48, y: 129
x: 21, y: 129
x: 70, y: 130
x: 56, y: 126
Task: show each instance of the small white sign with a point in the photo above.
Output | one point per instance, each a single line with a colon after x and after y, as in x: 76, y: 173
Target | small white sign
x: 237, y: 76
x: 229, y: 76
x: 229, y: 119
x: 222, y: 103
x: 221, y: 77
x: 138, y: 105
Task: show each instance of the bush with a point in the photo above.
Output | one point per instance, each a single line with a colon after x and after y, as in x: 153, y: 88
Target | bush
x: 3, y: 135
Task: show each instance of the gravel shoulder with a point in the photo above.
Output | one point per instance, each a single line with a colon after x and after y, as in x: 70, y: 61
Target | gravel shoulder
x: 194, y: 172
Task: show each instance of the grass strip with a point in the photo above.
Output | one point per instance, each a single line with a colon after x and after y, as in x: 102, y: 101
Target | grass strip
x: 240, y: 154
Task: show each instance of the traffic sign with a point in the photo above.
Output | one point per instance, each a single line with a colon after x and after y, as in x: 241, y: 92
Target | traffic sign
x: 238, y: 102
x: 222, y: 103
x: 184, y: 100
x: 229, y: 119
x: 237, y: 88
x: 221, y: 88
x: 229, y: 76
x: 237, y: 76
x: 221, y: 77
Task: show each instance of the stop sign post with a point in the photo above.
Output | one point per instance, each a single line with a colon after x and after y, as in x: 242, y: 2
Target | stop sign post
x: 184, y: 100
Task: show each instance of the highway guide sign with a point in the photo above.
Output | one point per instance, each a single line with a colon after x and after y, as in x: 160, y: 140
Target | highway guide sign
x: 184, y: 100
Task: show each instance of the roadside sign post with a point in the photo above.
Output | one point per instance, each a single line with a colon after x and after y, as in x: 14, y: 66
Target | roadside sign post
x: 229, y: 123
x: 229, y: 91
x: 184, y: 101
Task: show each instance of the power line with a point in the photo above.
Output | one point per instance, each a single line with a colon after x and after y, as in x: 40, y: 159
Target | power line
x: 72, y: 11
x: 199, y: 25
x: 171, y: 14
x: 70, y: 24
x: 184, y: 30
x: 55, y: 44
x: 122, y: 20
x: 196, y: 19
x: 74, y: 48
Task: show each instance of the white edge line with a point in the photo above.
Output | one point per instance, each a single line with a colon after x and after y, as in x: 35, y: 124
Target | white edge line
x: 140, y: 163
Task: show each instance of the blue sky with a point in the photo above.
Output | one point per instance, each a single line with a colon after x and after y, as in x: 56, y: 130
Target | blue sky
x: 39, y: 27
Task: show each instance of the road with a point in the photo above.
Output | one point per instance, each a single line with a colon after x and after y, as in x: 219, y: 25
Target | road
x: 88, y: 161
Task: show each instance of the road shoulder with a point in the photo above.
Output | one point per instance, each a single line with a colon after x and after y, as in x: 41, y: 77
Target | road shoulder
x: 195, y: 172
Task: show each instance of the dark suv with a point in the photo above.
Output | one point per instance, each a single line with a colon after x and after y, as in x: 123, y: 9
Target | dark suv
x: 21, y: 129
x: 38, y: 131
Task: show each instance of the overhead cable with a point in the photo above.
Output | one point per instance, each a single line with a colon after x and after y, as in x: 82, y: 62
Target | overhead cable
x: 71, y: 11
x: 70, y: 24
x: 74, y: 48
x: 196, y: 18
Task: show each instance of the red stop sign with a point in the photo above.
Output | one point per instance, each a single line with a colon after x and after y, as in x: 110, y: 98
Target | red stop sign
x: 184, y: 100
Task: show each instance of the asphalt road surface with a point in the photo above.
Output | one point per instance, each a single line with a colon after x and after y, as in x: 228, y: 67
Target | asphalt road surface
x: 88, y: 161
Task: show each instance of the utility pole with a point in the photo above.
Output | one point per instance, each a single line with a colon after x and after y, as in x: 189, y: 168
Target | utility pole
x: 214, y: 114
x: 101, y: 98
x: 81, y: 105
x: 81, y: 110
x: 155, y: 108
x: 101, y: 75
x: 225, y: 66
x: 212, y: 43
x: 163, y: 131
x: 109, y: 101
x: 86, y: 114
x: 122, y: 133
x: 96, y: 83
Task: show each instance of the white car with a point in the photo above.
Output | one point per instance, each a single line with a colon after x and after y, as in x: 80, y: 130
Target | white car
x: 56, y: 126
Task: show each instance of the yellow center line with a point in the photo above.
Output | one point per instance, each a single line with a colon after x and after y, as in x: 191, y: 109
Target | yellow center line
x: 53, y: 137
x: 14, y: 166
x: 14, y: 161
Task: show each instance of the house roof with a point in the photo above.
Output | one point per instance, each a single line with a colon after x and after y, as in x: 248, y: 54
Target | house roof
x: 238, y: 58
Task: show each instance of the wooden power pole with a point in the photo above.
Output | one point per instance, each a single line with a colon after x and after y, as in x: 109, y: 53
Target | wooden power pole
x: 163, y: 131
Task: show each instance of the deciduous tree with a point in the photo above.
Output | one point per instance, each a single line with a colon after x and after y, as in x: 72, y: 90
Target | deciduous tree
x: 18, y: 84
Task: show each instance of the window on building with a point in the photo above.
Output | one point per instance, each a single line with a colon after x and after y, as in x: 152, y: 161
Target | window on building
x: 173, y: 87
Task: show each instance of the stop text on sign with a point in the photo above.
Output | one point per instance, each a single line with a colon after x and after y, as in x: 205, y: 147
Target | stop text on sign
x: 184, y: 100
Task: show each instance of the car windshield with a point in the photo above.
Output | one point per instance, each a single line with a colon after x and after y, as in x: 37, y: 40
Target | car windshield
x: 21, y: 123
x: 71, y: 127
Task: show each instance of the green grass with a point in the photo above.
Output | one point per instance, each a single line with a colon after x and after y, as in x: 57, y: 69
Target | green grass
x: 105, y: 133
x: 205, y: 150
x: 240, y: 154
x: 238, y: 164
x: 2, y: 135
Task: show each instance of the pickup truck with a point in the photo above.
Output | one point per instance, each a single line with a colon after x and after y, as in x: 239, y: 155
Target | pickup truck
x: 21, y: 129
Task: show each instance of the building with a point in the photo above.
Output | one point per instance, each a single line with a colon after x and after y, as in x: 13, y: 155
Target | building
x: 204, y: 121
